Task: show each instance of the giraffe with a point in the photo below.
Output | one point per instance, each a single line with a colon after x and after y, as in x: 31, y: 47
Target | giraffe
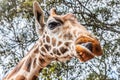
x: 60, y: 39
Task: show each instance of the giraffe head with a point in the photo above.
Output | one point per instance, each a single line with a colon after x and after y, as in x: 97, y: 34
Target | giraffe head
x: 67, y: 37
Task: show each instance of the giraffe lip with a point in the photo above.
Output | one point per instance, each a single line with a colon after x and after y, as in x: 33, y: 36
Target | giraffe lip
x: 84, y: 51
x: 87, y: 45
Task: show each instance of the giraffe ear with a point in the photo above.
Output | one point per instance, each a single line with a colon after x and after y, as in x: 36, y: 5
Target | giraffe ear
x: 39, y: 17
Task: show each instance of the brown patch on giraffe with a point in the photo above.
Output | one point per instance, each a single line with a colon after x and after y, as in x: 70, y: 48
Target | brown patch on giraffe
x: 51, y: 53
x: 63, y: 50
x: 59, y: 43
x: 42, y: 61
x: 53, y: 41
x: 43, y: 49
x: 34, y: 63
x: 68, y: 36
x: 43, y: 36
x: 42, y: 54
x: 43, y: 40
x: 47, y: 47
x: 67, y: 44
x: 67, y: 57
x: 66, y: 28
x: 28, y: 64
x: 55, y: 51
x: 48, y: 39
x: 40, y: 70
x: 36, y: 50
x: 20, y: 77
x: 34, y: 77
x: 17, y: 68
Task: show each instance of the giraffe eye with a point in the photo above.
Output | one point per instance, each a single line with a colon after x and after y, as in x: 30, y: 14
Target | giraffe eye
x: 53, y: 25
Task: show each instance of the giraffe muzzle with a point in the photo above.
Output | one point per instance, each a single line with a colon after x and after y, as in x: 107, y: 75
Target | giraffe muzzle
x: 87, y: 47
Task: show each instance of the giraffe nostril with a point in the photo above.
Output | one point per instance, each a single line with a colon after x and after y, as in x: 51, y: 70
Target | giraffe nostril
x: 88, y: 45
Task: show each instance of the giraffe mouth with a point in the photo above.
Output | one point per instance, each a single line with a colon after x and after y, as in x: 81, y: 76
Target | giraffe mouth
x: 84, y: 51
x: 87, y: 45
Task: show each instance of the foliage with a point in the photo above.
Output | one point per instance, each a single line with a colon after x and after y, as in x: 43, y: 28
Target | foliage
x: 101, y: 17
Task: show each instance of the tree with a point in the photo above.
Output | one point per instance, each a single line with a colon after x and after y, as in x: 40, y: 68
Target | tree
x: 17, y: 34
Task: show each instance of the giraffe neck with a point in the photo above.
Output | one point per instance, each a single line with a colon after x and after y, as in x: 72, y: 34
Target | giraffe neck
x: 30, y: 66
x: 46, y: 49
